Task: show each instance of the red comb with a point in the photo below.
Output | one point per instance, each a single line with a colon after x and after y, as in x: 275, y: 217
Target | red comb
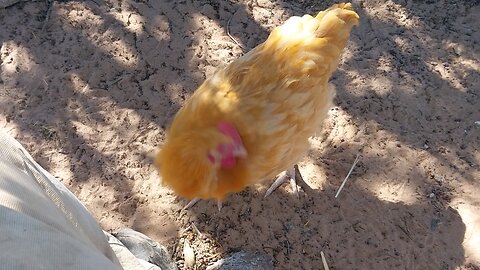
x: 229, y: 130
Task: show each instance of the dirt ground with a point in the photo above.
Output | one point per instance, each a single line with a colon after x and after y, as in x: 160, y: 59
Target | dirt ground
x: 88, y: 87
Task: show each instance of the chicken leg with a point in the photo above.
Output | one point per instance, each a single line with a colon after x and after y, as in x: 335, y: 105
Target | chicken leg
x: 288, y: 175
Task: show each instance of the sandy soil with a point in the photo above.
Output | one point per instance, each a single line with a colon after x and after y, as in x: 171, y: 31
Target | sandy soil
x: 89, y: 87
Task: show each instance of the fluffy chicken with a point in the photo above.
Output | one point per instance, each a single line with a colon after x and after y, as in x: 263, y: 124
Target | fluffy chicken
x: 251, y: 120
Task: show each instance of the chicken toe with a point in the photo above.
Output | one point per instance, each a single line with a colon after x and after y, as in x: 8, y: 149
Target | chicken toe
x: 288, y: 175
x: 191, y: 203
x: 195, y: 200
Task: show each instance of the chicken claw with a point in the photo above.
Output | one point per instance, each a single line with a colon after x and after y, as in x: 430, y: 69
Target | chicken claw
x: 191, y: 203
x: 288, y: 175
x: 195, y: 200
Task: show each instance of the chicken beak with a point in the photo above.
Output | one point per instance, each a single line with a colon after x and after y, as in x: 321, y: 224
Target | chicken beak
x: 240, y: 151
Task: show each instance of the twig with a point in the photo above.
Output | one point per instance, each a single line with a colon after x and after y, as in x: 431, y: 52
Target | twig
x: 324, y: 261
x: 47, y: 16
x: 197, y: 230
x: 288, y: 247
x: 33, y: 33
x: 115, y: 81
x: 348, y: 175
x: 94, y: 1
x: 46, y: 84
x: 191, y: 203
x: 230, y: 35
x: 186, y: 229
x: 405, y: 231
x: 10, y: 3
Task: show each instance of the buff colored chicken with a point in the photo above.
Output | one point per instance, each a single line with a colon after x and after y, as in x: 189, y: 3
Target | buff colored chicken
x: 252, y: 119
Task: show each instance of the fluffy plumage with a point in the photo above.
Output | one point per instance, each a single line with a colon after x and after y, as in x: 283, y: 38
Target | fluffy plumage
x: 276, y: 96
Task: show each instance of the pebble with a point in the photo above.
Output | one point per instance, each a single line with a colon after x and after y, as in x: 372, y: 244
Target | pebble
x: 243, y: 260
x: 145, y: 248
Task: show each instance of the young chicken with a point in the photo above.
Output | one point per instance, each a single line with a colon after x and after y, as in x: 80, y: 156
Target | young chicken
x: 252, y: 119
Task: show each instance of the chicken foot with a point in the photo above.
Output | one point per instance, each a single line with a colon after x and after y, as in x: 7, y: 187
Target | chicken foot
x: 288, y: 175
x: 195, y: 200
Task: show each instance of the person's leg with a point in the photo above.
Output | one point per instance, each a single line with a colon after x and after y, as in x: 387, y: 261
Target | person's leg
x: 42, y: 224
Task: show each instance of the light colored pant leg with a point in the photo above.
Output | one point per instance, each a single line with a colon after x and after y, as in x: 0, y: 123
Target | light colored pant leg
x: 42, y: 224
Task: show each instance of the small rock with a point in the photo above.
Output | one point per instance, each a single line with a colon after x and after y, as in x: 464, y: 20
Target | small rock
x: 188, y: 254
x: 145, y: 248
x: 434, y: 223
x: 244, y: 261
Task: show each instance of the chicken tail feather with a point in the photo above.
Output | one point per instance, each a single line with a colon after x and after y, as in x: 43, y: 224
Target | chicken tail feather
x: 336, y: 22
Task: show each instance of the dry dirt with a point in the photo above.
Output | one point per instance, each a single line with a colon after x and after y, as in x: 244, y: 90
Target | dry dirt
x: 88, y: 87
